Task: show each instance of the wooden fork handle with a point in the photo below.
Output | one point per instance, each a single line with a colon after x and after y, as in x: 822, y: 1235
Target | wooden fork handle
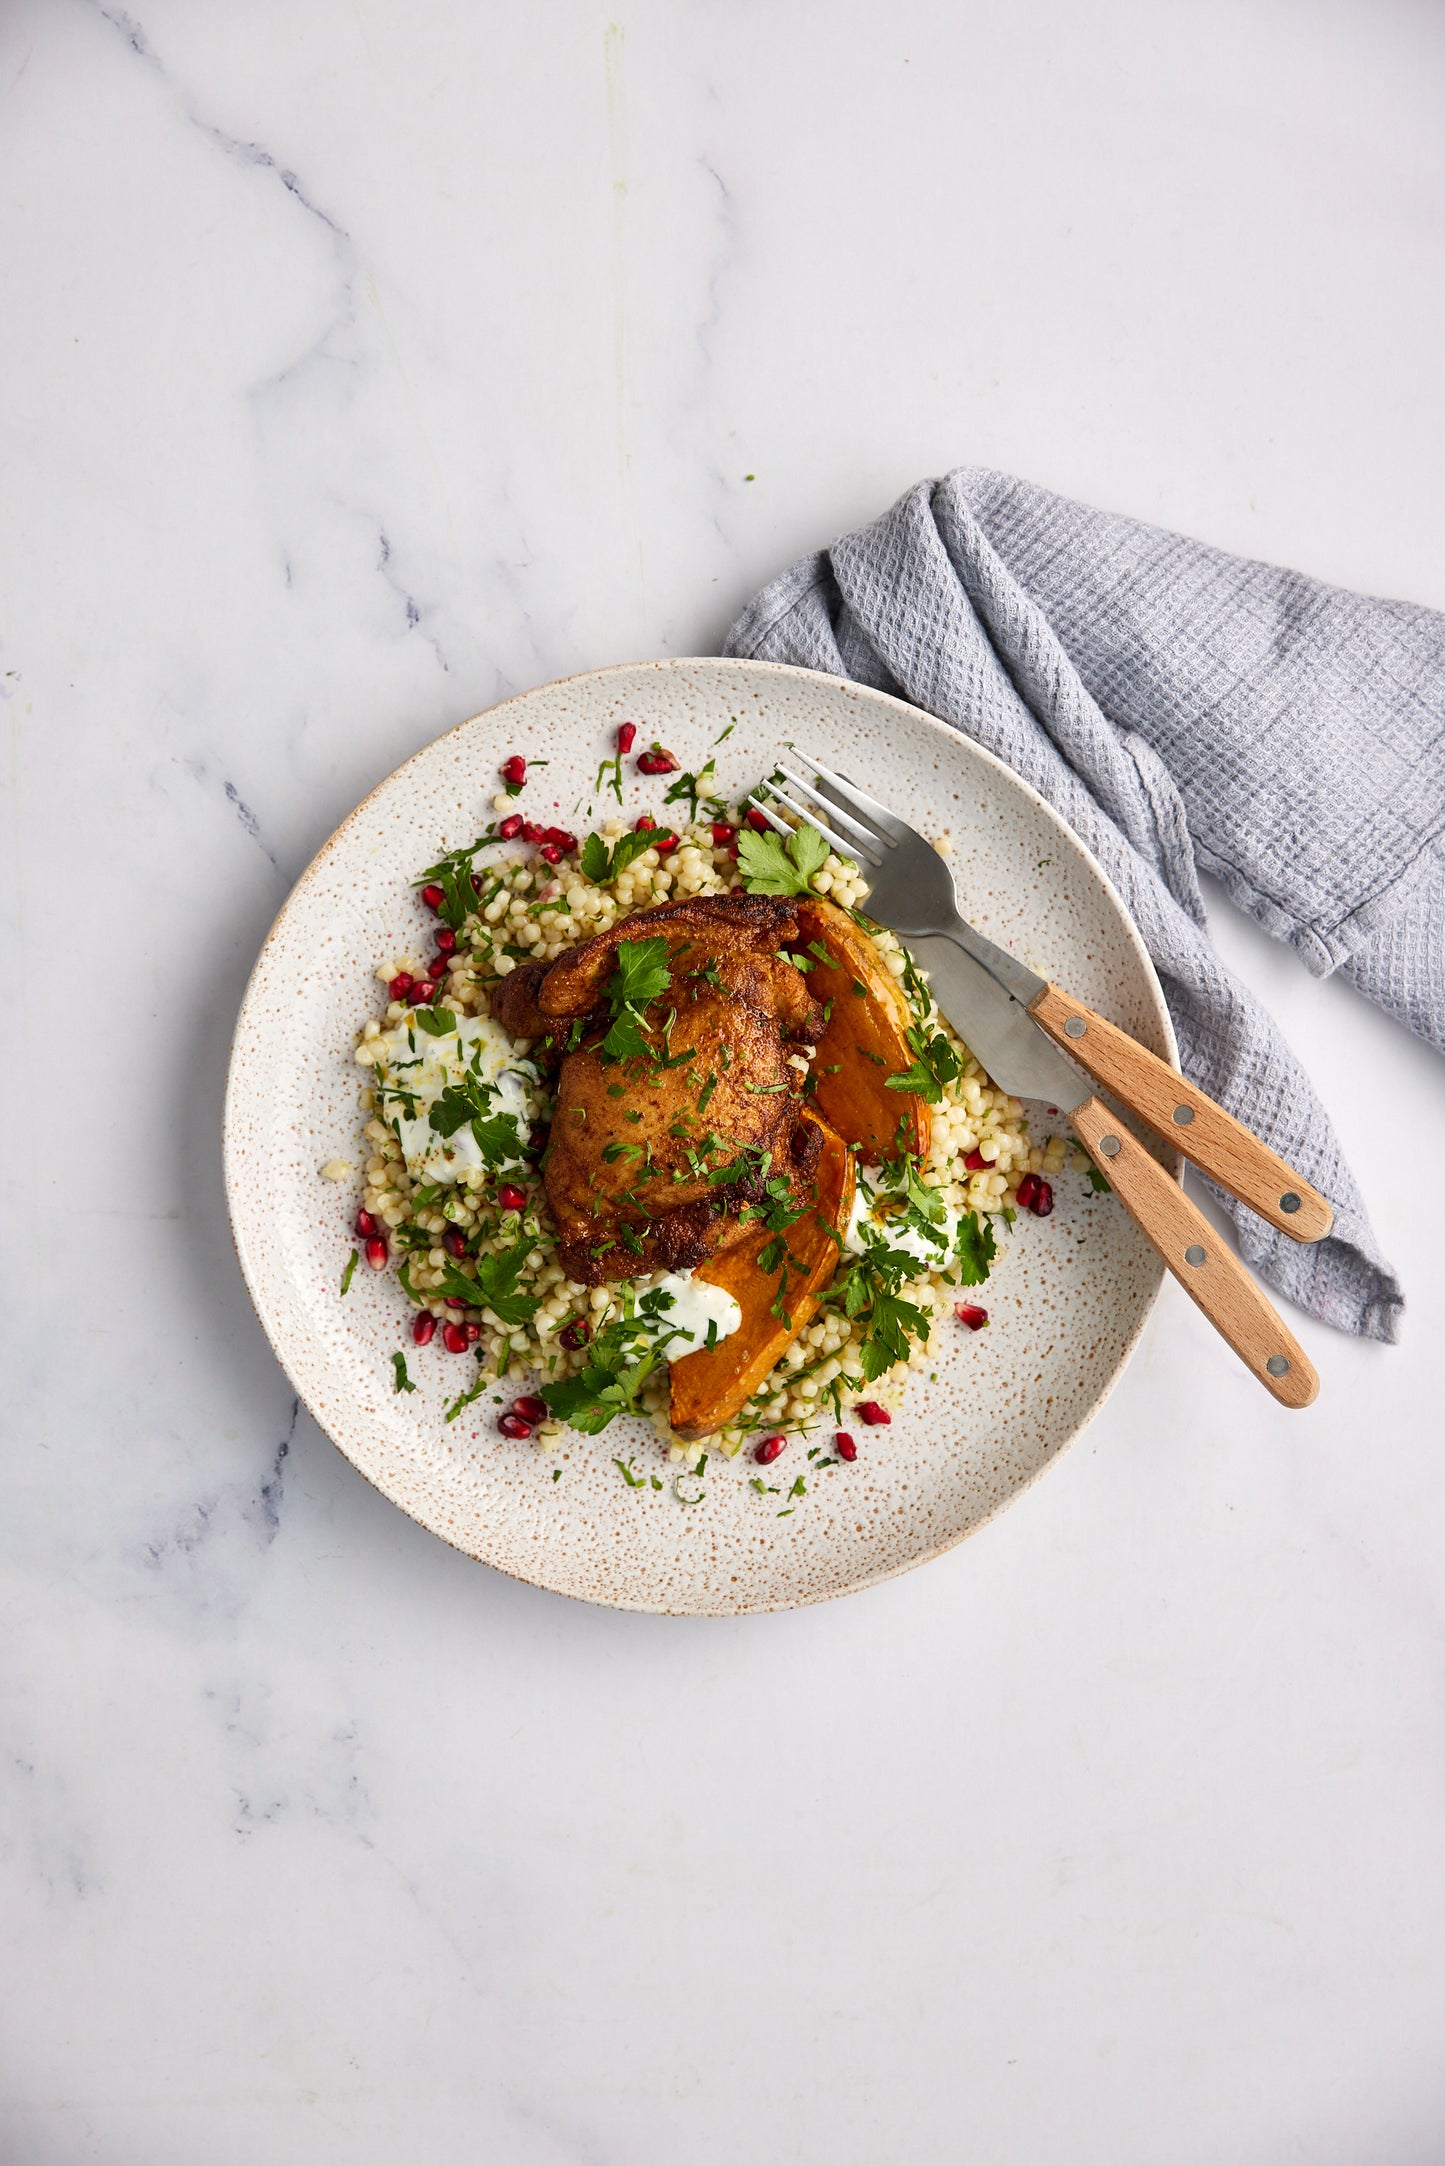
x: 1209, y: 1137
x: 1209, y: 1271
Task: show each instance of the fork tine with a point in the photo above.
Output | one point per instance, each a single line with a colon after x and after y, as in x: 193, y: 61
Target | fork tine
x: 850, y: 850
x: 866, y: 837
x: 895, y: 829
x: 845, y: 849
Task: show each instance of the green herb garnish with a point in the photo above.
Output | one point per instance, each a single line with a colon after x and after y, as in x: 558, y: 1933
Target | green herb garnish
x: 770, y: 868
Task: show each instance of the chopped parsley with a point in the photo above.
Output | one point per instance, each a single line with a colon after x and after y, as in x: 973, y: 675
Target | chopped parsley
x: 349, y: 1273
x: 934, y: 1063
x: 403, y: 1381
x: 770, y: 868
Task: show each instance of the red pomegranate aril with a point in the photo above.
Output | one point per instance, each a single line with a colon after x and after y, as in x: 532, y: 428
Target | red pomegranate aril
x: 400, y: 985
x: 875, y: 1415
x: 537, y: 1136
x: 626, y: 736
x: 563, y: 838
x: 433, y: 897
x: 722, y: 834
x: 378, y: 1255
x: 968, y: 1313
x: 1043, y: 1202
x: 446, y: 939
x: 365, y: 1225
x: 530, y: 1407
x: 473, y: 1332
x: 663, y: 843
x: 844, y: 1446
x: 512, y: 1198
x: 643, y: 824
x: 1028, y: 1188
x: 532, y: 832
x: 454, y: 1301
x: 424, y: 1328
x: 511, y: 827
x: 755, y: 819
x: 514, y: 770
x: 423, y: 993
x: 975, y: 1161
x: 454, y: 1241
x: 454, y: 1338
x: 551, y: 853
x: 575, y: 1334
x: 771, y: 1448
x: 656, y: 762
x: 513, y: 1425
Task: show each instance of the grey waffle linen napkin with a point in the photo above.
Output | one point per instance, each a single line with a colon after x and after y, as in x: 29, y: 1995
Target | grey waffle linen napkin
x: 1180, y: 708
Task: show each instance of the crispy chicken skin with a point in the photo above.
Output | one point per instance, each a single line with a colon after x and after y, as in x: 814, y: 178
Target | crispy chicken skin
x: 634, y: 1142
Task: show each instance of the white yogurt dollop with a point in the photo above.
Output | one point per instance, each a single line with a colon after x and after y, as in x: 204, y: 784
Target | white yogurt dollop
x: 695, y: 1305
x: 405, y: 1058
x: 866, y: 1231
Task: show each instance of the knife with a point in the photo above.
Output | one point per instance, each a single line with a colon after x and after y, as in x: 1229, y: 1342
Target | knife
x: 1001, y: 1032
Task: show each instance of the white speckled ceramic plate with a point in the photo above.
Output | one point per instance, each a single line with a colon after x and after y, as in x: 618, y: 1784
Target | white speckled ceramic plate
x: 1067, y: 1302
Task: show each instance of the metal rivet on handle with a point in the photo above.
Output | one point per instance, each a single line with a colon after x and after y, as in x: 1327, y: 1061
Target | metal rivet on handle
x: 1194, y: 1254
x: 1183, y: 1115
x: 1109, y: 1145
x: 1075, y: 1027
x: 1289, y: 1201
x: 1278, y: 1365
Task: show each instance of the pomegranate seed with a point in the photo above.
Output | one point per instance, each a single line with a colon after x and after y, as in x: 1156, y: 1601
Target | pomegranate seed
x: 1028, y: 1189
x: 423, y: 993
x: 514, y: 1426
x: 400, y: 985
x: 446, y: 939
x: 537, y: 1136
x: 477, y: 883
x: 663, y: 843
x: 473, y: 1332
x: 378, y: 1255
x: 874, y: 1414
x: 551, y: 853
x: 531, y: 832
x: 514, y: 770
x: 968, y: 1313
x: 844, y: 1446
x: 512, y: 1198
x: 644, y: 825
x: 563, y: 839
x: 626, y: 736
x: 424, y: 1328
x: 511, y: 827
x: 975, y: 1160
x: 454, y: 1338
x: 656, y: 762
x: 454, y: 1241
x: 575, y: 1334
x: 454, y: 1301
x: 530, y: 1407
x: 770, y: 1449
x: 433, y: 897
x: 1043, y: 1202
x: 755, y: 819
x: 365, y: 1225
x: 722, y: 834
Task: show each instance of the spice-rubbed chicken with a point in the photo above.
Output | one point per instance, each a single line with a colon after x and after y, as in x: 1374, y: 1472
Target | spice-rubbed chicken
x: 676, y: 1104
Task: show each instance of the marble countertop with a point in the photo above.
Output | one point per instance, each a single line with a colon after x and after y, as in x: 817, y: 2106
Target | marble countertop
x: 364, y: 365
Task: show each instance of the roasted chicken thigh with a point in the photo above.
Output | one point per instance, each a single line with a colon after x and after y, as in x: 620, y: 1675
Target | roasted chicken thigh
x: 676, y: 1103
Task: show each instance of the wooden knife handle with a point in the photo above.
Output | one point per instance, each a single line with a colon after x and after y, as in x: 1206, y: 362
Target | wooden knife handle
x: 1209, y: 1137
x: 1208, y: 1270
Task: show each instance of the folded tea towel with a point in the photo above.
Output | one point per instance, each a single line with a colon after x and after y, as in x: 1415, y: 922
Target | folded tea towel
x: 1180, y: 708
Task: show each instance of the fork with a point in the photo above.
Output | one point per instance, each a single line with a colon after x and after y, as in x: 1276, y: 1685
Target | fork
x: 911, y: 891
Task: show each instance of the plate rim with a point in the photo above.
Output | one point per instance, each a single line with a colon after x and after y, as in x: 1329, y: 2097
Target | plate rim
x: 663, y: 664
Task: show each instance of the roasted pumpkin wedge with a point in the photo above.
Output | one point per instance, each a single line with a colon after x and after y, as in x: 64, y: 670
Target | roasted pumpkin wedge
x: 865, y: 1039
x: 709, y: 1386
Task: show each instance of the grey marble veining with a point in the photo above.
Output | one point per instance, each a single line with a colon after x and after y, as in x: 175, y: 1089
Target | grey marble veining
x: 363, y: 366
